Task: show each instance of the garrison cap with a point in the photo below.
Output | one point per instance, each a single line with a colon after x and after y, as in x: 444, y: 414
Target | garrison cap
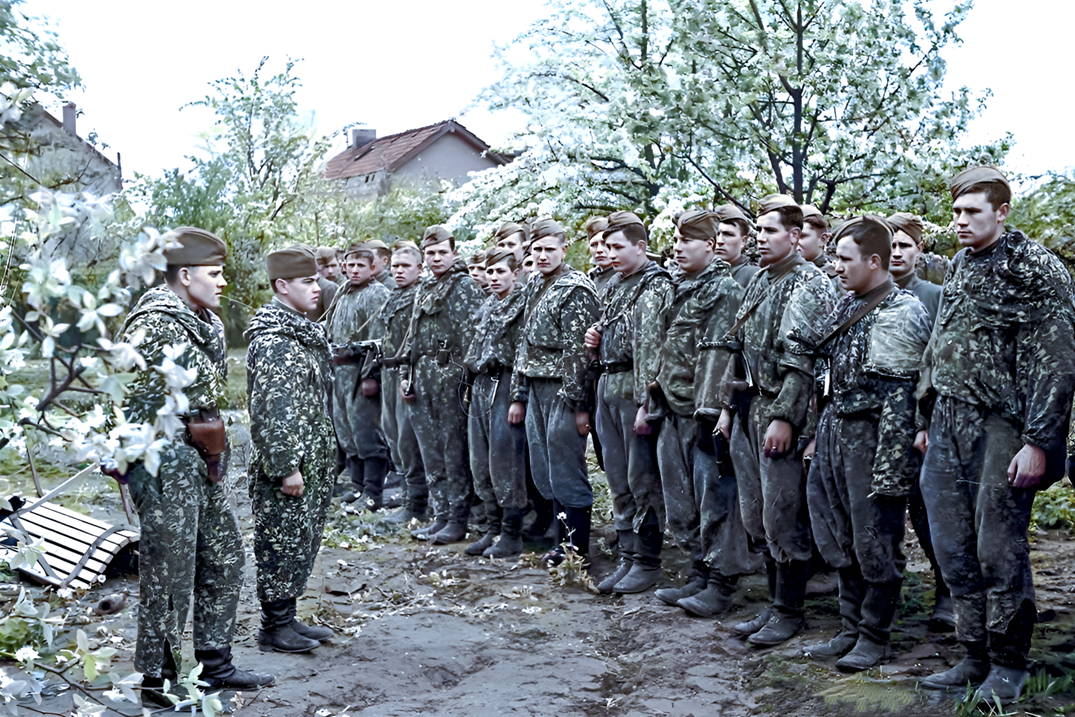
x: 775, y: 201
x: 909, y: 224
x: 293, y: 262
x: 435, y: 235
x: 477, y: 257
x: 595, y: 226
x: 495, y: 256
x: 507, y: 229
x: 699, y: 224
x: 360, y: 248
x: 863, y: 224
x: 730, y: 212
x: 376, y: 244
x: 545, y: 227
x: 325, y: 254
x: 197, y: 247
x: 809, y: 210
x: 976, y: 175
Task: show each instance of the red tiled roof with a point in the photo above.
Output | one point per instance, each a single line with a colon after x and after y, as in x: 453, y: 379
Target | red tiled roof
x: 391, y: 152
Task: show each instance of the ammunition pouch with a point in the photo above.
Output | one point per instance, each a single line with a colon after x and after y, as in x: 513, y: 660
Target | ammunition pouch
x: 209, y: 437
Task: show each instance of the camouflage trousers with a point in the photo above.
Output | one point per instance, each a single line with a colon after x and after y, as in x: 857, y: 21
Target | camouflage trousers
x: 357, y: 418
x: 497, y: 448
x: 851, y: 527
x: 288, y: 529
x: 557, y: 451
x: 979, y: 522
x: 630, y: 459
x: 402, y: 443
x: 440, y: 424
x: 724, y: 542
x: 772, y: 491
x: 190, y: 547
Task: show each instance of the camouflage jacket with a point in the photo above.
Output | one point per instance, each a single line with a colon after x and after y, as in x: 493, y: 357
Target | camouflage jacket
x: 355, y: 315
x: 385, y: 279
x: 396, y: 319
x: 167, y: 323
x: 288, y: 379
x: 600, y: 279
x: 559, y: 309
x: 743, y: 271
x: 703, y: 309
x: 927, y: 292
x: 632, y: 330
x: 872, y: 369
x: 442, y: 316
x: 496, y: 334
x: 801, y: 296
x: 1005, y: 338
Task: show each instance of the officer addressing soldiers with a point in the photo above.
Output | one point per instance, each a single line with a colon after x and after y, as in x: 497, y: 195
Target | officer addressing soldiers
x: 289, y: 376
x: 1001, y: 367
x: 190, y: 540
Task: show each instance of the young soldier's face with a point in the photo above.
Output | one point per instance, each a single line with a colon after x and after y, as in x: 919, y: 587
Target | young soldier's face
x: 204, y: 284
x: 978, y: 225
x: 775, y: 241
x: 905, y: 252
x: 526, y: 269
x: 548, y: 254
x: 626, y: 256
x: 379, y: 262
x: 439, y: 257
x: 359, y: 269
x: 599, y: 252
x: 331, y: 270
x: 729, y: 246
x: 477, y: 273
x: 692, y: 255
x: 300, y: 294
x: 514, y: 244
x: 812, y: 241
x: 501, y: 279
x: 405, y: 269
x: 856, y: 272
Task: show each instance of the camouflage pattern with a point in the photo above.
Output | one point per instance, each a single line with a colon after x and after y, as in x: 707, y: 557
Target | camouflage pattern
x: 190, y: 541
x: 743, y: 271
x: 557, y: 451
x: 395, y: 412
x: 1002, y: 363
x: 928, y: 293
x: 289, y: 380
x: 434, y: 347
x: 632, y: 331
x: 932, y: 267
x: 355, y: 316
x: 600, y: 279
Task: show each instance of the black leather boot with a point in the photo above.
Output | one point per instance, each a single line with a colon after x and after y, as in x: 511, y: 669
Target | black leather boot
x: 714, y: 600
x: 218, y: 672
x: 543, y: 516
x: 456, y: 529
x: 787, y: 619
x: 749, y: 627
x: 374, y: 471
x: 696, y: 583
x: 439, y: 523
x: 873, y: 645
x: 314, y: 632
x: 493, y: 517
x: 625, y: 546
x: 971, y: 670
x: 276, y: 631
x: 153, y: 687
x: 646, y: 569
x: 510, y: 542
x: 852, y: 592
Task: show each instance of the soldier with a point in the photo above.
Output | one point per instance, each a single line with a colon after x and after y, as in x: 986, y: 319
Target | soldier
x: 289, y: 374
x: 476, y: 269
x: 511, y: 237
x: 497, y: 447
x: 434, y: 379
x: 352, y: 318
x: 705, y: 304
x: 326, y: 256
x: 776, y: 388
x: 527, y: 269
x: 867, y: 355
x: 382, y: 256
x: 328, y: 265
x: 395, y: 413
x: 1001, y: 364
x: 815, y: 237
x: 628, y: 339
x: 602, y: 269
x: 548, y: 384
x: 190, y: 544
x: 734, y: 230
x: 907, y: 247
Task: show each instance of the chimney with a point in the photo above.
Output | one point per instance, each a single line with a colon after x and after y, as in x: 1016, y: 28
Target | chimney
x: 70, y: 112
x: 360, y: 137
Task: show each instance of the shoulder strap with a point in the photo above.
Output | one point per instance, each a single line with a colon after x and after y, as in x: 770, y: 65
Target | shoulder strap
x: 876, y: 296
x: 773, y: 281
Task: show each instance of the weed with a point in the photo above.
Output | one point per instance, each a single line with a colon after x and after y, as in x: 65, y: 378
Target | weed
x: 1054, y: 509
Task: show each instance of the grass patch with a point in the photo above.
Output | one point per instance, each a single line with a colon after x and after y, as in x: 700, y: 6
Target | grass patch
x: 1054, y: 509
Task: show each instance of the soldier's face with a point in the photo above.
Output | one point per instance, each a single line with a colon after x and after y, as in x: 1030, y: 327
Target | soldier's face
x: 300, y: 294
x: 379, y: 263
x: 526, y: 269
x: 405, y: 269
x: 204, y: 285
x: 905, y: 253
x: 856, y: 272
x: 775, y: 241
x: 626, y: 256
x: 978, y: 225
x: 514, y: 244
x: 599, y: 252
x: 439, y: 258
x: 501, y: 278
x: 477, y: 273
x: 692, y: 255
x: 812, y: 241
x: 548, y: 254
x: 331, y: 270
x: 729, y: 245
x: 359, y: 269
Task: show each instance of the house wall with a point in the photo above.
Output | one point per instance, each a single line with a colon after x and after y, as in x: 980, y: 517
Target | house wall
x: 450, y: 157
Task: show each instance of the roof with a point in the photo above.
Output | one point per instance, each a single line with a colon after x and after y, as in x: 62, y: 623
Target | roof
x: 392, y: 152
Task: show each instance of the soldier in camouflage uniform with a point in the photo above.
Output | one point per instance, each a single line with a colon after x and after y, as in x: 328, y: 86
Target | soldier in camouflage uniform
x: 497, y: 447
x: 190, y: 540
x: 705, y: 303
x: 776, y: 388
x: 733, y: 233
x: 355, y: 316
x: 602, y: 270
x: 289, y: 379
x: 867, y: 358
x: 1001, y: 364
x: 395, y: 413
x: 548, y: 385
x: 382, y: 258
x: 434, y: 382
x: 326, y: 256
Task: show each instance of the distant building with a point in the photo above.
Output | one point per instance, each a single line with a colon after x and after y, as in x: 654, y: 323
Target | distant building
x: 371, y: 166
x: 52, y: 152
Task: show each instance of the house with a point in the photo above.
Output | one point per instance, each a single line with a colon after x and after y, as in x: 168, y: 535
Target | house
x: 371, y: 166
x: 53, y: 152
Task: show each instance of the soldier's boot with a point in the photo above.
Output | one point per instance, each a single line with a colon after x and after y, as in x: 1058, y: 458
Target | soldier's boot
x: 577, y: 522
x: 218, y: 672
x: 439, y: 523
x: 405, y: 515
x: 1008, y: 656
x: 873, y: 646
x: 787, y: 619
x: 374, y: 471
x: 749, y: 627
x: 696, y: 583
x: 493, y: 517
x: 345, y: 480
x: 415, y: 508
x: 153, y: 687
x: 971, y: 670
x: 646, y: 569
x: 510, y: 542
x: 852, y: 593
x: 314, y: 632
x: 715, y: 600
x: 356, y: 469
x: 276, y: 632
x: 625, y: 546
x: 944, y: 612
x: 543, y: 515
x: 456, y: 529
x: 556, y: 555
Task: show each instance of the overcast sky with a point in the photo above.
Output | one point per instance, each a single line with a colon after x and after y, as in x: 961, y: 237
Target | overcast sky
x: 409, y: 63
